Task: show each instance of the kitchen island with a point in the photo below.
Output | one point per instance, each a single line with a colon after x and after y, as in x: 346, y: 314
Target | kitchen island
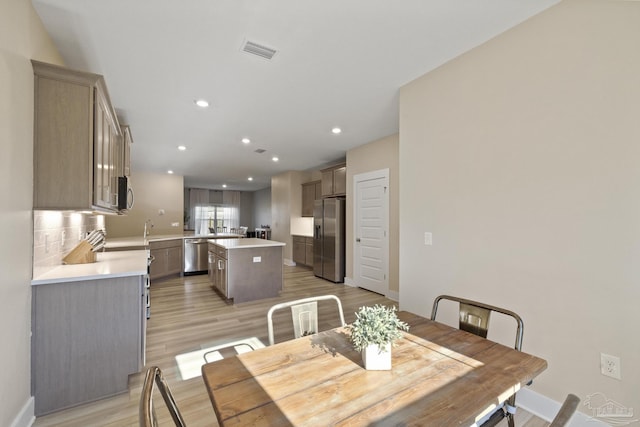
x: 246, y: 269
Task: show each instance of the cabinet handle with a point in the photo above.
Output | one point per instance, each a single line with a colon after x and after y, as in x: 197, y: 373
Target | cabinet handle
x: 358, y: 239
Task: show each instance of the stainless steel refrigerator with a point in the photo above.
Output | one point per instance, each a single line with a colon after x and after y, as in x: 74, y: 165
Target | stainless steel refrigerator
x: 329, y: 239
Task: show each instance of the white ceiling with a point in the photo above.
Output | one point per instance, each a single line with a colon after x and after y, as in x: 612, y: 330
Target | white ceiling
x: 338, y: 63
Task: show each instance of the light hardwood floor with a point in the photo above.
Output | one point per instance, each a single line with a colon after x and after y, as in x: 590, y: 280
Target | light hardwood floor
x: 187, y: 315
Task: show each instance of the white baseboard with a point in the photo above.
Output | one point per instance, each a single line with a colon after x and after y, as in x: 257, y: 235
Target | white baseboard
x: 25, y: 417
x: 546, y: 408
x: 392, y: 295
x: 289, y: 262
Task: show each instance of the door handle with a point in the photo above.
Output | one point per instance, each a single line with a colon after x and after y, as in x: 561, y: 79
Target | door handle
x: 358, y: 239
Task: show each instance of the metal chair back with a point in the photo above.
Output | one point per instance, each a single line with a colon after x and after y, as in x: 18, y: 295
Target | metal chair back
x: 566, y: 411
x: 474, y: 317
x: 147, y: 416
x: 304, y: 315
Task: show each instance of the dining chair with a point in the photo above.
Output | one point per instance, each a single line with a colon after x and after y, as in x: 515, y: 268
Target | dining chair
x: 566, y: 411
x: 147, y: 416
x: 474, y: 317
x: 304, y: 314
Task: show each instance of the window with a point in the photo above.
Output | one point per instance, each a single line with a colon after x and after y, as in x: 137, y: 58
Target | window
x: 215, y: 219
x: 210, y: 219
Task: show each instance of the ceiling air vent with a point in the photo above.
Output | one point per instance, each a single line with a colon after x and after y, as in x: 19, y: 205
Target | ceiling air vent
x: 258, y: 49
x: 260, y: 151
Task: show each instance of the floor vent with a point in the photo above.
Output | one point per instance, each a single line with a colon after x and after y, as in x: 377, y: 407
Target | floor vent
x: 258, y: 49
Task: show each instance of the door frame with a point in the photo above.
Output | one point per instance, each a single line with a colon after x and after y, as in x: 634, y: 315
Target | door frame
x: 361, y: 177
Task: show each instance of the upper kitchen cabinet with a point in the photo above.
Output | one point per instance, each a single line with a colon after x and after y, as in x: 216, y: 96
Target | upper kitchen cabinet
x: 310, y: 192
x: 127, y: 140
x: 77, y: 141
x: 334, y: 181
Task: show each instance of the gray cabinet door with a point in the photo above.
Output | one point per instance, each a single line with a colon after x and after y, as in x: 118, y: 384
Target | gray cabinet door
x: 87, y: 339
x: 76, y: 141
x: 309, y: 251
x: 299, y: 250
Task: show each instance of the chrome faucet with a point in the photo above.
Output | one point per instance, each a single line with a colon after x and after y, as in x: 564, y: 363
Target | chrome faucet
x: 148, y: 225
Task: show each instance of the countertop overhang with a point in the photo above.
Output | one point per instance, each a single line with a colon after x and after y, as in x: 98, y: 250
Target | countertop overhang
x: 245, y: 243
x: 130, y: 242
x: 108, y: 265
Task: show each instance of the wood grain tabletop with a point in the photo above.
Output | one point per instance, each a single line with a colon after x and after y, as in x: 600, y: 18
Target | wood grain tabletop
x: 440, y: 376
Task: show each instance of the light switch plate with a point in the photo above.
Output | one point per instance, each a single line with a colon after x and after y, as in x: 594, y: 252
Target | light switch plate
x: 428, y: 238
x: 257, y: 259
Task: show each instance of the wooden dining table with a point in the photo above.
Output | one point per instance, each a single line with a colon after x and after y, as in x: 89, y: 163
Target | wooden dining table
x: 440, y: 376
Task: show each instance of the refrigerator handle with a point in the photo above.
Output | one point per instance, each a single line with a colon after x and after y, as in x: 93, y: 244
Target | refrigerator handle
x: 317, y: 232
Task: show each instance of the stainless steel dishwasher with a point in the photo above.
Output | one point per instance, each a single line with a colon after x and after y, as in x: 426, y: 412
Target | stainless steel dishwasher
x: 195, y: 256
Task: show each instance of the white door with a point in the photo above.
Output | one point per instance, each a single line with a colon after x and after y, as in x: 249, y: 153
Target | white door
x: 371, y: 245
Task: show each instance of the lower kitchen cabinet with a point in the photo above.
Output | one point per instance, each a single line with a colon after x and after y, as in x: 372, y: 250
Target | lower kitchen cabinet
x: 88, y: 336
x: 218, y: 268
x: 303, y: 250
x: 308, y: 249
x: 167, y: 258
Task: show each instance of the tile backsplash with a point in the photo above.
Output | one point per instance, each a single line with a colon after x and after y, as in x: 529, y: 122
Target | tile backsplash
x: 55, y: 233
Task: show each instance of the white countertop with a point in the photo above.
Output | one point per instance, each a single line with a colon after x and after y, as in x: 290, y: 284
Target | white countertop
x: 125, y: 242
x: 245, y: 243
x: 108, y: 265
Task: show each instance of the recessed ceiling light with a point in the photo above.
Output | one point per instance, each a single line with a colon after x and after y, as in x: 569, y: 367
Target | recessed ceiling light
x: 250, y: 178
x: 170, y: 172
x: 202, y: 103
x: 181, y: 147
x: 336, y: 130
x: 246, y: 140
x: 275, y: 159
x: 224, y: 185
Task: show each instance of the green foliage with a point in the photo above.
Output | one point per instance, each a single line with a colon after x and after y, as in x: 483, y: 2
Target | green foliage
x: 376, y: 325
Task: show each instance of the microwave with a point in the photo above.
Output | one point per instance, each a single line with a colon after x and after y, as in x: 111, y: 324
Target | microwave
x: 125, y: 194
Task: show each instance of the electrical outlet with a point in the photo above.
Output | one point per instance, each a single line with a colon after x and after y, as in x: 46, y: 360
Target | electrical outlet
x: 610, y: 366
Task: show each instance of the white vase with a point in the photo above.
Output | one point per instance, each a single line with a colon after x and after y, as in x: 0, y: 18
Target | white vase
x: 376, y: 358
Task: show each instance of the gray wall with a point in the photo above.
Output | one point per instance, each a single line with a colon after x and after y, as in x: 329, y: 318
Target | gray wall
x: 262, y: 207
x: 246, y: 209
x: 521, y: 157
x: 158, y: 199
x: 23, y: 38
